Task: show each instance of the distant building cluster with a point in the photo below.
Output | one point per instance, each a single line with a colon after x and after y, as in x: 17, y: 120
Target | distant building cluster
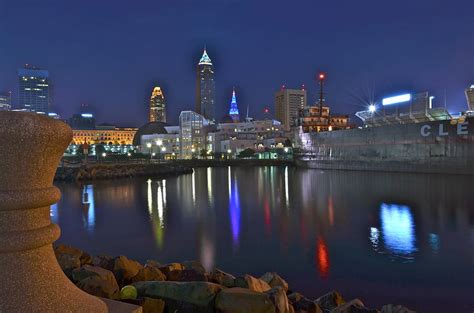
x: 201, y: 133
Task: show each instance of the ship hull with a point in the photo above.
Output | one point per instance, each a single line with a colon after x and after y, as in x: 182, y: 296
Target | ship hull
x: 429, y: 147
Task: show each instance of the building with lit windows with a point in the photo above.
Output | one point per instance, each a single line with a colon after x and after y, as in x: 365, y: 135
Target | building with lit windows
x: 256, y: 135
x: 288, y: 105
x: 6, y: 101
x: 34, y: 90
x: 205, y: 88
x: 164, y: 144
x: 105, y: 135
x: 157, y: 106
x: 193, y: 128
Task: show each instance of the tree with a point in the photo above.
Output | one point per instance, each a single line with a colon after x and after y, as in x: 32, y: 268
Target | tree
x: 247, y: 153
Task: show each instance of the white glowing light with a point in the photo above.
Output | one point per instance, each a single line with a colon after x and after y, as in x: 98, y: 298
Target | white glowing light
x: 87, y: 115
x: 372, y: 108
x: 397, y: 99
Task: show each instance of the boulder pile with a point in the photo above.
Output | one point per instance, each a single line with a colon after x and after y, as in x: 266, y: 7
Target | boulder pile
x: 188, y: 287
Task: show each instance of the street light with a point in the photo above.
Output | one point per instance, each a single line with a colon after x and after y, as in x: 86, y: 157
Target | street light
x: 372, y: 108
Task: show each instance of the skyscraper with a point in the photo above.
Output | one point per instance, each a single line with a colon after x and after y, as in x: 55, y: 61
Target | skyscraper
x: 470, y: 97
x: 157, y: 106
x: 234, y: 110
x: 5, y: 101
x: 35, y: 90
x: 288, y: 105
x: 205, y: 88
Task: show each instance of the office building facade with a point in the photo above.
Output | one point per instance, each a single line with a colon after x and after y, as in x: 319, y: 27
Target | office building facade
x: 5, y: 101
x: 289, y: 103
x: 205, y: 88
x: 35, y: 92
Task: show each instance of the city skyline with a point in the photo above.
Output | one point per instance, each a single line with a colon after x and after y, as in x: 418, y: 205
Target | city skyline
x: 357, y: 55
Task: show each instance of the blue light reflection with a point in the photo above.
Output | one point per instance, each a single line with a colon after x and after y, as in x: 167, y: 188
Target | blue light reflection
x: 398, y: 229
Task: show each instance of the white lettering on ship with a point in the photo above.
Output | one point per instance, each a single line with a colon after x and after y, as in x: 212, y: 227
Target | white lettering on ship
x: 461, y: 129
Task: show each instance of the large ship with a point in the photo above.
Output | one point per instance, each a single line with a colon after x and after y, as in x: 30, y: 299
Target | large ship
x: 404, y: 135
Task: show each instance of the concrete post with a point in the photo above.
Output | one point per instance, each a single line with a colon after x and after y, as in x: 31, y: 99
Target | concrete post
x: 30, y: 277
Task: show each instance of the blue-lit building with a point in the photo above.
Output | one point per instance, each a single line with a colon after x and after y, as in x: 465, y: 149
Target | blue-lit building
x: 234, y: 110
x: 34, y: 90
x: 205, y: 88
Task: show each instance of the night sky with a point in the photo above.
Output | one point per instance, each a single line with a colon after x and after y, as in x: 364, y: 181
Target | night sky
x: 109, y: 54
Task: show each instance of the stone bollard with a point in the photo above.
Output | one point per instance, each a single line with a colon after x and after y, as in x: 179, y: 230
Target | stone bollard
x: 30, y: 277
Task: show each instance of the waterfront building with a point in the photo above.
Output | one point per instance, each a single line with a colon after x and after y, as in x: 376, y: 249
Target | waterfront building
x: 34, y: 89
x: 165, y: 143
x: 234, y: 109
x: 251, y: 134
x: 82, y: 121
x: 288, y: 105
x: 205, y: 88
x: 193, y: 128
x: 470, y: 97
x: 105, y: 135
x: 6, y: 101
x: 157, y: 106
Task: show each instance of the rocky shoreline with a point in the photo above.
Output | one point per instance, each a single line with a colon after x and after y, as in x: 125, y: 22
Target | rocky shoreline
x: 111, y: 171
x: 188, y: 287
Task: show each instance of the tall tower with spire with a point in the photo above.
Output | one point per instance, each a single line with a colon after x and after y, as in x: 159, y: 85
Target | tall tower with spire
x: 205, y: 88
x: 157, y: 106
x: 234, y: 110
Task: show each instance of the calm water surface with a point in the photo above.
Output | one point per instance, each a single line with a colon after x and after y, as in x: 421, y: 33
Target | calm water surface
x: 385, y: 238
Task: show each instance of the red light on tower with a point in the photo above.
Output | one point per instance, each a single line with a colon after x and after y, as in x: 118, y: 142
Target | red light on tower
x: 322, y: 76
x: 265, y: 110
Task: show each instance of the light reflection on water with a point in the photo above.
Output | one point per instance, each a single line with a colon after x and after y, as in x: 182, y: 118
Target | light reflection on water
x: 348, y: 231
x: 398, y: 231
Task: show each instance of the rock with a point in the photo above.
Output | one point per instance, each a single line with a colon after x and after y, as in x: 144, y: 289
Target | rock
x: 252, y: 283
x: 186, y: 275
x: 242, y: 300
x: 150, y: 305
x: 181, y: 296
x: 104, y: 261
x: 278, y: 297
x: 274, y: 280
x: 353, y: 306
x: 153, y: 263
x: 168, y: 268
x: 222, y: 278
x: 194, y: 265
x: 125, y: 269
x: 100, y: 287
x: 303, y: 304
x: 391, y: 308
x: 68, y: 263
x: 89, y: 270
x: 64, y: 249
x: 149, y: 273
x: 330, y: 301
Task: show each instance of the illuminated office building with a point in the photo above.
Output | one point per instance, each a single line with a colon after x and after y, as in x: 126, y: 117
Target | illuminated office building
x: 157, y: 106
x: 289, y: 103
x: 205, y: 88
x: 5, y: 101
x: 192, y: 134
x: 34, y: 89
